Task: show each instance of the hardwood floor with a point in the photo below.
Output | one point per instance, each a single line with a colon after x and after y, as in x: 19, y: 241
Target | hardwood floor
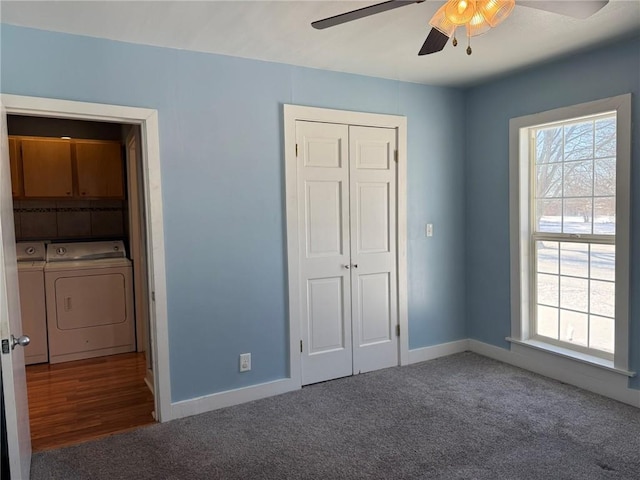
x: 78, y: 401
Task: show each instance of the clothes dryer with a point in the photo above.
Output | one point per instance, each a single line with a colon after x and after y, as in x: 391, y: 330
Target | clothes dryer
x: 89, y: 300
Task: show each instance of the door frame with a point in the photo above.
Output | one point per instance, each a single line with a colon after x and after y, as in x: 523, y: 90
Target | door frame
x: 292, y: 114
x: 147, y: 119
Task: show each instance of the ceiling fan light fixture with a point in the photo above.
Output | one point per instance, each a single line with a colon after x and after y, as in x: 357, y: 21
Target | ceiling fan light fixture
x: 441, y: 22
x: 459, y: 12
x: 477, y: 25
x: 495, y: 11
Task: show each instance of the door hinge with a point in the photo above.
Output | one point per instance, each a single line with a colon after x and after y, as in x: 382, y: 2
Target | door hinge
x: 398, y: 330
x: 396, y: 156
x: 296, y: 150
x: 5, y: 346
x: 153, y: 296
x: 300, y: 346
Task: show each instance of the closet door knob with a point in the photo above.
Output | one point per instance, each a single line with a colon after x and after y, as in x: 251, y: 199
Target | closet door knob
x: 355, y: 265
x: 347, y: 267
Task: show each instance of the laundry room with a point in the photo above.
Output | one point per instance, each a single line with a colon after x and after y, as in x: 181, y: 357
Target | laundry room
x: 78, y: 208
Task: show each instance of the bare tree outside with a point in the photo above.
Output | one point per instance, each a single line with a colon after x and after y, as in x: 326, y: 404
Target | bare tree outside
x: 576, y: 176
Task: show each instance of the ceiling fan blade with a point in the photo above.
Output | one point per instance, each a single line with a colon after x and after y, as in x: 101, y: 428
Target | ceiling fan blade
x: 361, y: 13
x: 436, y: 40
x: 571, y: 8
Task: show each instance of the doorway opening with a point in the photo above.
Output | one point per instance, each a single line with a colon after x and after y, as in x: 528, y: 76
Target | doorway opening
x: 13, y: 364
x: 89, y: 365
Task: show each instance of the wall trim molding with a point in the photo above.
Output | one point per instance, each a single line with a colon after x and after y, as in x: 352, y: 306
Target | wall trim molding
x: 594, y: 379
x: 228, y: 398
x: 436, y: 351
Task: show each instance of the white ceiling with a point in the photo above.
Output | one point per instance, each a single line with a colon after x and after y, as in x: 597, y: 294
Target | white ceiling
x: 383, y: 45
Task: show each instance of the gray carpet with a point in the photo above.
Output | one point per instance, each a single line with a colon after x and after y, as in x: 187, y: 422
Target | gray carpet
x: 458, y: 417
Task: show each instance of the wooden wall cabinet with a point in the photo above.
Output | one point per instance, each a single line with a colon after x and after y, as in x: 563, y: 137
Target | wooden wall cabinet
x: 63, y: 168
x: 46, y: 167
x: 99, y: 167
x: 16, y: 171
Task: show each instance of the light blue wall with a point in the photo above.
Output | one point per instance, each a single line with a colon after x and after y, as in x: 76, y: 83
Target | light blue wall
x: 605, y: 72
x: 223, y: 182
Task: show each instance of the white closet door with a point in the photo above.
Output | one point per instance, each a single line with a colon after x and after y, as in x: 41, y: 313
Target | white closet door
x: 373, y: 247
x: 323, y: 219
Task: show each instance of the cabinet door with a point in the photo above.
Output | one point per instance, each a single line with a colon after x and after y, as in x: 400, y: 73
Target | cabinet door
x: 99, y: 169
x: 14, y: 161
x: 46, y: 167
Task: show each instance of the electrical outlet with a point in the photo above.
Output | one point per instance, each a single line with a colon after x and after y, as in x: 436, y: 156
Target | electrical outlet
x: 245, y: 362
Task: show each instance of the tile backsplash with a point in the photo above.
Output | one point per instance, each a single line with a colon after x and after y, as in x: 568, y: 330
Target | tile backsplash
x: 68, y: 219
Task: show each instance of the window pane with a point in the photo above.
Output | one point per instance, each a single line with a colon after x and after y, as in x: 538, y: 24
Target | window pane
x: 548, y: 257
x: 604, y: 222
x: 604, y: 171
x: 602, y: 333
x: 549, y: 216
x: 573, y: 327
x: 606, y: 137
x: 548, y: 289
x: 573, y: 293
x: 603, y: 298
x: 549, y: 145
x: 574, y: 259
x: 549, y: 180
x: 578, y: 143
x: 575, y: 193
x: 603, y: 262
x: 577, y: 215
x: 578, y: 179
x: 547, y: 322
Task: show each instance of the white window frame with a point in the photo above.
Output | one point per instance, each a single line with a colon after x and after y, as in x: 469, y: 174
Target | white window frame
x: 522, y: 258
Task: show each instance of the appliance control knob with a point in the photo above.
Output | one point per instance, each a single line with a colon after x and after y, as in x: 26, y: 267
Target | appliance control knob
x: 30, y: 250
x: 61, y: 250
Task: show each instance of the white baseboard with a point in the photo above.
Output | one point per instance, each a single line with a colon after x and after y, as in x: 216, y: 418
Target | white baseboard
x: 435, y: 351
x: 597, y: 380
x: 207, y: 403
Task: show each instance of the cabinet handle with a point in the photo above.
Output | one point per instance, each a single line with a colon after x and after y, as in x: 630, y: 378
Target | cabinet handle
x: 83, y: 193
x: 68, y: 193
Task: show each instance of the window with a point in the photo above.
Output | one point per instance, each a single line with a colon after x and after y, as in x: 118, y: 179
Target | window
x: 570, y: 230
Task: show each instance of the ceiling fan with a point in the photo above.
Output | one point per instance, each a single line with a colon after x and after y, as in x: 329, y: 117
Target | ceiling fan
x: 478, y: 16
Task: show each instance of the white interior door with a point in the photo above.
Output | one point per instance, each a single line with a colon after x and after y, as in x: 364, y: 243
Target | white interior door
x: 323, y: 212
x: 346, y: 191
x: 374, y: 297
x: 13, y: 372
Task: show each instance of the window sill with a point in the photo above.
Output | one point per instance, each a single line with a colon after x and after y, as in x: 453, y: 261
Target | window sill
x: 572, y: 355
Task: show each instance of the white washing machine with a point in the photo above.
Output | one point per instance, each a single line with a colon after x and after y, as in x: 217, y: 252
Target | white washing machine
x: 89, y: 293
x: 30, y: 257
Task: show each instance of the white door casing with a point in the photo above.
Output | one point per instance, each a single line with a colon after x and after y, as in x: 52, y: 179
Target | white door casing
x: 346, y: 218
x: 147, y: 119
x: 14, y: 379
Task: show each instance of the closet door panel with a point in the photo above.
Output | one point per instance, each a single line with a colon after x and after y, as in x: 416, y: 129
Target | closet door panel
x: 323, y: 213
x: 373, y: 247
